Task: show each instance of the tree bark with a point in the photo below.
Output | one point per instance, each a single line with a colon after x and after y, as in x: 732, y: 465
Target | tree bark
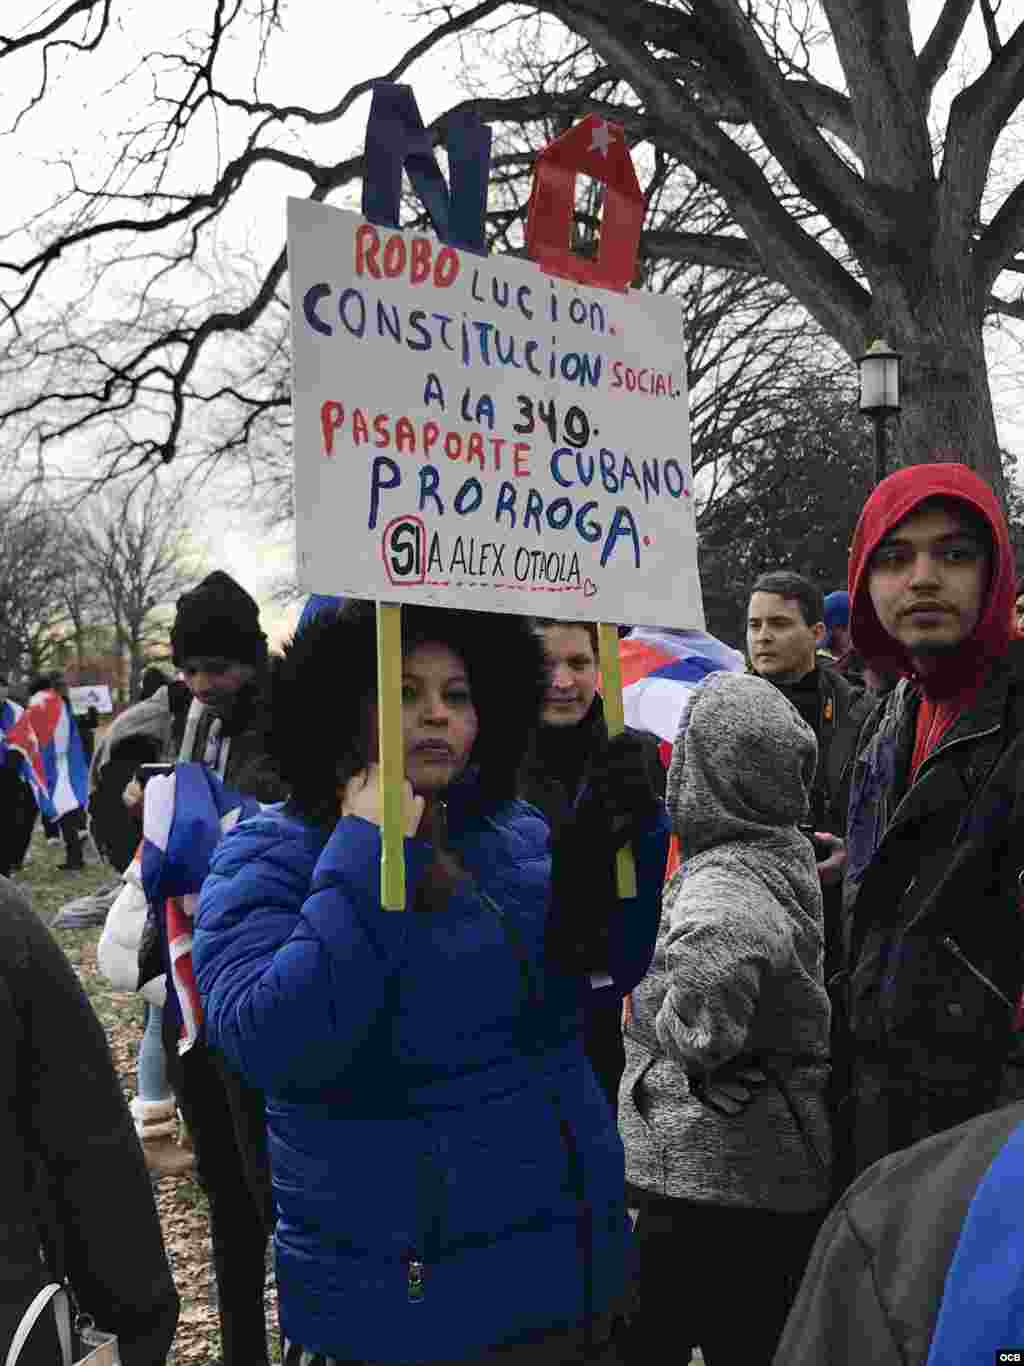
x: 947, y: 407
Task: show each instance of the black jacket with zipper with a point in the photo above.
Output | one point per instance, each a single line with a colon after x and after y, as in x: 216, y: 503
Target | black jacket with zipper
x: 552, y: 775
x: 934, y: 929
x: 837, y: 719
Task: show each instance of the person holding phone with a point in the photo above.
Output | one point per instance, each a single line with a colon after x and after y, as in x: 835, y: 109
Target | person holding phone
x: 447, y: 1175
x: 221, y: 651
x: 147, y: 732
x: 217, y: 644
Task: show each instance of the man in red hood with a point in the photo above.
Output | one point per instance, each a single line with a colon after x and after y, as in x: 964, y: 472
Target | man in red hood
x: 934, y: 936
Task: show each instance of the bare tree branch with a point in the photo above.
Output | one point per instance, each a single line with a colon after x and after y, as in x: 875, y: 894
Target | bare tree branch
x: 1001, y: 240
x: 976, y: 118
x: 61, y: 21
x: 695, y: 248
x: 935, y: 56
x: 1007, y: 308
x: 751, y: 164
x: 988, y: 18
x: 813, y: 275
x: 85, y: 8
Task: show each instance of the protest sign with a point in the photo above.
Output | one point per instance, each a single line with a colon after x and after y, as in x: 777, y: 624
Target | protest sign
x: 91, y: 695
x: 472, y: 432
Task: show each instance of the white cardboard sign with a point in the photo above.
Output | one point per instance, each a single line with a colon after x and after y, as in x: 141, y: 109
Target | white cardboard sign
x: 91, y: 695
x: 470, y: 432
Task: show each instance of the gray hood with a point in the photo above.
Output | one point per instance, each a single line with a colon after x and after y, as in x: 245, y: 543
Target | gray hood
x: 742, y: 765
x: 151, y: 718
x: 737, y: 969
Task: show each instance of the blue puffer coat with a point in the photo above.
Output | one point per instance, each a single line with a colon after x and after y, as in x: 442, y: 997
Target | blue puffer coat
x: 408, y: 1121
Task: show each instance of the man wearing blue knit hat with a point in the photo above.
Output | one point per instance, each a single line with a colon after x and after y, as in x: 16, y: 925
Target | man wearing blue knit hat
x: 837, y: 647
x: 837, y: 625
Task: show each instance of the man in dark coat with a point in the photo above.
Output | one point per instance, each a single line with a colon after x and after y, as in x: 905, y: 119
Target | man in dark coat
x: 74, y: 1180
x: 936, y: 820
x: 785, y: 627
x: 222, y: 654
x: 572, y: 735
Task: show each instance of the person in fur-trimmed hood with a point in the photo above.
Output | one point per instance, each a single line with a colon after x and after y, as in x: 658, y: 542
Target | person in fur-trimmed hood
x: 722, y: 1105
x: 447, y: 1175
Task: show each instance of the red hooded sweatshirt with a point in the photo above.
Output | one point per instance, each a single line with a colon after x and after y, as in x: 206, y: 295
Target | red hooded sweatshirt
x: 954, y: 683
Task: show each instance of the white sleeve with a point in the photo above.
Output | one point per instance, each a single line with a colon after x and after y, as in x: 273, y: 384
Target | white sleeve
x: 117, y: 954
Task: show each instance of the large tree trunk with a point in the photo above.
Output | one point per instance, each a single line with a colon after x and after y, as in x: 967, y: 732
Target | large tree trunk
x: 933, y: 320
x: 946, y: 408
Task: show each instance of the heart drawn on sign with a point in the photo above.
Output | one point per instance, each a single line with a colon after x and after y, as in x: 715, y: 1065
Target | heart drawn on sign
x: 589, y: 588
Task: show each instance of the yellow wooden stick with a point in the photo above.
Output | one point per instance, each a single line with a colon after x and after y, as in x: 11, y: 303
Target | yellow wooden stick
x: 392, y: 755
x: 611, y: 680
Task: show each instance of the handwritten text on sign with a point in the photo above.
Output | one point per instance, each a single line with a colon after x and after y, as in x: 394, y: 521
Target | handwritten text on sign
x: 471, y: 432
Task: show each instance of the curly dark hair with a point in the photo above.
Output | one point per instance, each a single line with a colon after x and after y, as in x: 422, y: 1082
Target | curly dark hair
x: 329, y: 671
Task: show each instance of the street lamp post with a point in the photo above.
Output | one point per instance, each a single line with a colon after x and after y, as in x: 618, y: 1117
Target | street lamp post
x: 880, y: 395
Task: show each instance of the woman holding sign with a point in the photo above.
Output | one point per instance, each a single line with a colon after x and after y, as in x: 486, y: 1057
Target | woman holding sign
x: 447, y: 1175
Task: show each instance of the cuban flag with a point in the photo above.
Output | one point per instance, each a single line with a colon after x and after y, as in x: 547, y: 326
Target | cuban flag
x: 67, y: 769
x: 660, y: 669
x: 185, y: 816
x: 19, y: 734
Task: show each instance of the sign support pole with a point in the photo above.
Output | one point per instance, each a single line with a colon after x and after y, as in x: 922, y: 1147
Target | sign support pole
x: 611, y: 684
x: 396, y: 140
x: 548, y: 230
x: 392, y: 755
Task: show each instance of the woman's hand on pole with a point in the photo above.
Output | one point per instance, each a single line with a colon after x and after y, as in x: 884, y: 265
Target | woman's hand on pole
x: 362, y: 798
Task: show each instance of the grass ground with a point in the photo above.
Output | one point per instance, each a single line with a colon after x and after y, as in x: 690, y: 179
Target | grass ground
x: 182, y: 1205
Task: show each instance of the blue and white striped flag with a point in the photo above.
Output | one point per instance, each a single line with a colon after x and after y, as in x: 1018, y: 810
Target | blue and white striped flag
x: 185, y: 816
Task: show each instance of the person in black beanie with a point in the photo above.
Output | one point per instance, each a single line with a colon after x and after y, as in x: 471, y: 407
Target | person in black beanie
x: 217, y: 644
x: 555, y: 777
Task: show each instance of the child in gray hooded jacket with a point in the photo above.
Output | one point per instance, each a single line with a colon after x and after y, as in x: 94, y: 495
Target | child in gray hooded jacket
x: 722, y: 1106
